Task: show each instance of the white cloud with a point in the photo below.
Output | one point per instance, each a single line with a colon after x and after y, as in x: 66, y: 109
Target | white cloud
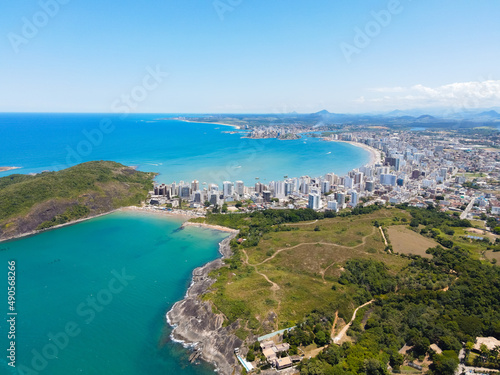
x: 464, y: 95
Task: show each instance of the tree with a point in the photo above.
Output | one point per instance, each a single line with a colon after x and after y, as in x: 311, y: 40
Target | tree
x: 396, y: 360
x: 224, y: 208
x: 321, y: 338
x: 251, y: 355
x: 373, y: 366
x: 445, y: 363
x: 238, y: 204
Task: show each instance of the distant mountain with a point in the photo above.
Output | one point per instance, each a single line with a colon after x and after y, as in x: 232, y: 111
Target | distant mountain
x: 323, y: 112
x: 492, y: 114
x: 396, y: 113
x: 426, y: 118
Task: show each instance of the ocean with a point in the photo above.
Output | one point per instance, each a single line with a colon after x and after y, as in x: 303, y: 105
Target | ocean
x: 91, y: 297
x: 111, y: 279
x: 176, y: 150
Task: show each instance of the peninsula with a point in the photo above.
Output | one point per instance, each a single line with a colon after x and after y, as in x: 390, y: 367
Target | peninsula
x: 5, y: 169
x: 30, y: 203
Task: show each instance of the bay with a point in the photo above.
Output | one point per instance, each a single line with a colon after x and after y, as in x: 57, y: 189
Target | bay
x: 176, y: 150
x: 65, y: 276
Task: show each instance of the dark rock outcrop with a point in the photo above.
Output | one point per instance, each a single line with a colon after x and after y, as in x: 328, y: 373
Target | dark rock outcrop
x: 195, y: 323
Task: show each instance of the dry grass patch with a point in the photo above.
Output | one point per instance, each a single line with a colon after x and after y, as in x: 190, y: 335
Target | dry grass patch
x: 490, y: 255
x: 406, y: 241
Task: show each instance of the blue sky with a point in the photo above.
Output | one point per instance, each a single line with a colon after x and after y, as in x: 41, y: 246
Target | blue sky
x: 248, y: 56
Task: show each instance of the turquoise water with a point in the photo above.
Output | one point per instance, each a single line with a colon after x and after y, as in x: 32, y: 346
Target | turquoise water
x: 177, y: 150
x: 68, y: 291
x: 126, y: 334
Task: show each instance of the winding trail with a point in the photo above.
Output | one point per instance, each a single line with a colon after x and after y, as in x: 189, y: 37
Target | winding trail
x: 343, y: 332
x: 322, y: 272
x: 275, y: 287
x: 363, y: 242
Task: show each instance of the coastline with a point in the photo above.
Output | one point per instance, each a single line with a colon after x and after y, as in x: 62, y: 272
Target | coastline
x: 215, y: 123
x: 184, y: 215
x: 35, y: 232
x: 215, y: 227
x: 195, y: 325
x: 5, y: 169
x: 375, y: 155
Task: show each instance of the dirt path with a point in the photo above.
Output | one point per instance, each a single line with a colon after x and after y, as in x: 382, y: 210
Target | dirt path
x: 317, y: 243
x: 334, y: 323
x: 322, y: 272
x: 343, y: 332
x: 312, y: 222
x: 275, y: 287
x: 383, y: 235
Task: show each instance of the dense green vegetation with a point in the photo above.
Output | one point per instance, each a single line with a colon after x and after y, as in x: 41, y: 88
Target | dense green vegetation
x: 418, y: 314
x: 254, y: 225
x: 69, y: 194
x: 18, y: 193
x: 72, y: 213
x: 448, y: 299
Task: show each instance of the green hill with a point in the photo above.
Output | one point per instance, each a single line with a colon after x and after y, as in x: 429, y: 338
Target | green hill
x: 311, y: 270
x: 35, y: 202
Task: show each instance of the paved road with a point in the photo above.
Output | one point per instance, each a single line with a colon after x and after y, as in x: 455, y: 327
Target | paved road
x: 464, y: 214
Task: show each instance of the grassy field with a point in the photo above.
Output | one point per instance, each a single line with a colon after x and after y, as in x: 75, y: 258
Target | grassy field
x: 289, y: 274
x: 490, y: 255
x: 406, y: 241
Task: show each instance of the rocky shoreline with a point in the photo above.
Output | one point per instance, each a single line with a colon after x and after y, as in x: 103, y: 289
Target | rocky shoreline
x: 194, y: 324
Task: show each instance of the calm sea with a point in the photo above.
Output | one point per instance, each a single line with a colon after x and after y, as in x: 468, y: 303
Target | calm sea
x: 112, y: 279
x: 177, y: 150
x: 92, y: 297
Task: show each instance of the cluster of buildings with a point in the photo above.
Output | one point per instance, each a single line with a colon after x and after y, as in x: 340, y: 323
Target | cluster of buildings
x: 276, y: 354
x: 415, y: 168
x: 279, y: 132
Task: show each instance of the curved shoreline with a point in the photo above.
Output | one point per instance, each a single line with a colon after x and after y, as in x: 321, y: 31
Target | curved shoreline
x: 5, y: 169
x: 214, y: 123
x: 375, y: 155
x: 194, y: 323
x: 35, y: 232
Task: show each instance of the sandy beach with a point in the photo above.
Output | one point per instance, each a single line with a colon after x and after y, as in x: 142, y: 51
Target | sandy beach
x: 5, y: 169
x: 214, y: 123
x: 216, y: 227
x: 375, y: 155
x: 181, y: 214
